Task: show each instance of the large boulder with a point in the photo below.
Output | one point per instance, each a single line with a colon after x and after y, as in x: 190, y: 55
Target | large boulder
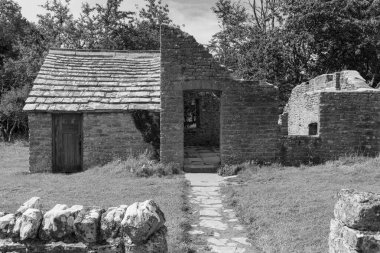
x: 358, y: 210
x: 343, y: 239
x: 31, y: 221
x: 156, y: 243
x: 58, y: 223
x: 141, y: 220
x: 110, y: 223
x: 7, y: 223
x: 34, y: 203
x: 87, y: 225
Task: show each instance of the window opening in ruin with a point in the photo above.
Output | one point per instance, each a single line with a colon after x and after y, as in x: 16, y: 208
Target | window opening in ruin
x: 191, y: 113
x: 313, y: 129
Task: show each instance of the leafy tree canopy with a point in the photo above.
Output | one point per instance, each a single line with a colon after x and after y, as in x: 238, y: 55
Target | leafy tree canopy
x: 103, y: 27
x: 290, y: 41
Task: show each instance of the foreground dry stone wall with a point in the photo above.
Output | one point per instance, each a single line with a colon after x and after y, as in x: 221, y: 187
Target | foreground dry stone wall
x: 138, y: 228
x: 356, y: 224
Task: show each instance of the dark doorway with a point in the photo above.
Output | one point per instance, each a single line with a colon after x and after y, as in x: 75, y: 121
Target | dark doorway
x: 201, y: 130
x: 67, y: 143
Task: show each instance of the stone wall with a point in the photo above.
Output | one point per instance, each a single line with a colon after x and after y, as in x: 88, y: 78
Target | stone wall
x: 350, y: 123
x: 185, y: 65
x: 355, y: 227
x: 347, y: 112
x: 40, y: 142
x: 297, y: 150
x: 249, y: 110
x: 106, y: 136
x: 137, y: 228
x: 111, y: 135
x: 208, y: 131
x: 249, y: 122
x: 303, y: 110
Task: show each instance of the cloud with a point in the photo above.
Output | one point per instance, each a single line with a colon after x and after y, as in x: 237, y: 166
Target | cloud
x: 196, y: 15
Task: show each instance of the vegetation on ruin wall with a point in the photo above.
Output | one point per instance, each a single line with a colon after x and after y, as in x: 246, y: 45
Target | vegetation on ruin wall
x: 110, y: 185
x: 288, y: 209
x: 23, y: 44
x: 287, y: 42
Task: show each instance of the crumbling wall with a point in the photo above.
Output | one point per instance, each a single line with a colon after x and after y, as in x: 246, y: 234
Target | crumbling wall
x: 249, y: 110
x: 346, y: 111
x: 303, y: 110
x: 136, y: 228
x: 355, y: 227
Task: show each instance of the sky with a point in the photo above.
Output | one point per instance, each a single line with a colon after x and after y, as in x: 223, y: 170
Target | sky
x: 196, y: 15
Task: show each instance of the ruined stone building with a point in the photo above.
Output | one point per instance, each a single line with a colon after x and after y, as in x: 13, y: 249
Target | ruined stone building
x: 88, y: 107
x: 82, y: 105
x: 330, y: 116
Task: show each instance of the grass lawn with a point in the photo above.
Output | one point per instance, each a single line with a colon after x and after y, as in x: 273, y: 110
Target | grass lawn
x: 288, y: 209
x: 107, y: 186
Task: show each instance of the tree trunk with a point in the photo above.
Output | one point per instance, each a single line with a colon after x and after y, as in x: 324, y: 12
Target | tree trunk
x: 11, y: 132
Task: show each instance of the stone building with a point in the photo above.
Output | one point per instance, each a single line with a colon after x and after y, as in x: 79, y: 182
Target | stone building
x: 332, y: 115
x: 87, y: 108
x: 83, y: 105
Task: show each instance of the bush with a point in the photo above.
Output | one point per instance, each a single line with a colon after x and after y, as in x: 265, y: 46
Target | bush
x: 231, y: 170
x: 142, y: 166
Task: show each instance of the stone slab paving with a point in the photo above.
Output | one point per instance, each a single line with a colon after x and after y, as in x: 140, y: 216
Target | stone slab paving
x: 214, y: 222
x: 201, y: 159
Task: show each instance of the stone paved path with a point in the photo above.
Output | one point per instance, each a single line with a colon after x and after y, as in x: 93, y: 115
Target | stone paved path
x: 215, y: 223
x: 201, y: 159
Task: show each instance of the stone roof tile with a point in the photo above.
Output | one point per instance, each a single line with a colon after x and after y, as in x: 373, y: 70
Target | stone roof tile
x: 72, y: 80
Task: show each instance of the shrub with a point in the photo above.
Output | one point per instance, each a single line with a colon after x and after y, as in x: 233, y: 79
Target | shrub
x: 231, y: 170
x: 142, y: 166
x: 156, y: 169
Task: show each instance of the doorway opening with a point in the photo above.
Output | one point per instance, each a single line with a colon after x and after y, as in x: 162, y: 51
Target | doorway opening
x: 201, y: 130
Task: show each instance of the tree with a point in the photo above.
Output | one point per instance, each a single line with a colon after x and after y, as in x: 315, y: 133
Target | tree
x: 104, y: 27
x: 226, y: 44
x: 11, y: 26
x: 267, y: 14
x: 12, y: 118
x: 57, y: 23
x: 146, y: 35
x: 21, y: 51
x: 290, y: 41
x: 345, y: 34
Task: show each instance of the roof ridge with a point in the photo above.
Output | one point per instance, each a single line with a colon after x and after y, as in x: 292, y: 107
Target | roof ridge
x: 81, y: 51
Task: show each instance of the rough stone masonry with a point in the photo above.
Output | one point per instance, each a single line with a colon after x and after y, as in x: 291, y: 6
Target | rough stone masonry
x: 138, y: 228
x: 355, y: 227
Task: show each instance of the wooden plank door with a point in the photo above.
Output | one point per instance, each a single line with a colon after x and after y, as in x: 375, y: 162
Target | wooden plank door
x: 67, y: 143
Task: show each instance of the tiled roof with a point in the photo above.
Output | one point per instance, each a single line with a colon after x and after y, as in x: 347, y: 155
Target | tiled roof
x: 97, y: 81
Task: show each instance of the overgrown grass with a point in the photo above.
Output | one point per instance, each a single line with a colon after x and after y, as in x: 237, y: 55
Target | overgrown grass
x: 107, y: 186
x: 142, y: 166
x: 288, y: 209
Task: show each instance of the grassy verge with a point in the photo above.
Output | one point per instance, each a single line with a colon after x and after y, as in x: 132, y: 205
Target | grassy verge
x: 288, y: 209
x: 106, y: 186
